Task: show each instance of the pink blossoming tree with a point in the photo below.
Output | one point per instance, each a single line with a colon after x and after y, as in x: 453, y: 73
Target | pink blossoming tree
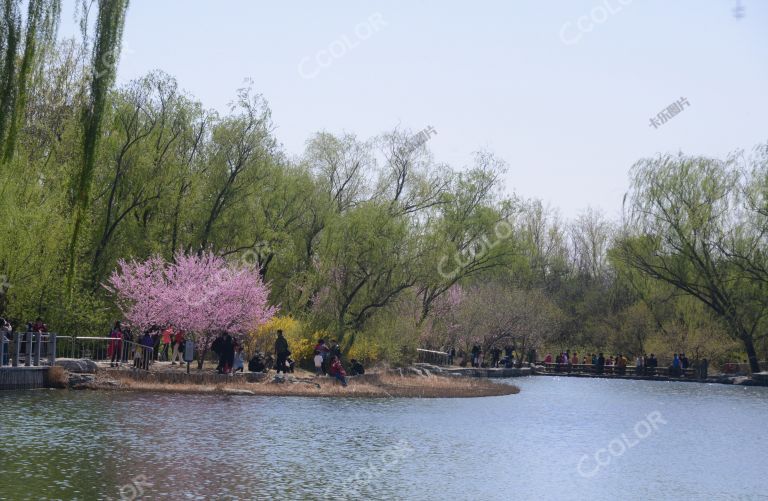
x: 203, y: 295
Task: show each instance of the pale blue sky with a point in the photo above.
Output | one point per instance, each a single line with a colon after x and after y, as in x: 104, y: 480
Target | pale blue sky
x: 569, y: 118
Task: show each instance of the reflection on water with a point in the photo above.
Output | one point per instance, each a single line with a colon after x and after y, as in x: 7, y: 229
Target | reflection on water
x: 88, y: 445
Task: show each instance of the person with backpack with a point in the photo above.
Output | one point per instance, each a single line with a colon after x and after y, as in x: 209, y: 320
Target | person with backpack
x: 281, y: 352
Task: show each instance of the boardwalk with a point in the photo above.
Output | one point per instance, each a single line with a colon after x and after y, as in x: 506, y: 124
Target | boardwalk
x: 629, y: 372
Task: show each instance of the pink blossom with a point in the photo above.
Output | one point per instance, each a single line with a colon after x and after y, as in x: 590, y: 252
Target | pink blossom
x: 200, y: 294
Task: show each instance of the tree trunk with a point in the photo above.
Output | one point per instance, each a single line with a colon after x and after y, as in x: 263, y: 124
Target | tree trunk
x: 749, y: 345
x: 201, y: 360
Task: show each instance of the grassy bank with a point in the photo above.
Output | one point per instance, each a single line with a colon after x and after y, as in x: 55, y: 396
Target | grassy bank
x: 375, y: 385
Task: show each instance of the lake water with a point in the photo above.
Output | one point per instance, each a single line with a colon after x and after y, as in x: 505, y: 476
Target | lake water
x: 560, y: 438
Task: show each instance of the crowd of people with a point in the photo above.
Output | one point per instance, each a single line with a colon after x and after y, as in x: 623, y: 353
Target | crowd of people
x: 618, y: 364
x: 494, y: 358
x: 229, y: 351
x: 142, y: 350
x: 327, y: 361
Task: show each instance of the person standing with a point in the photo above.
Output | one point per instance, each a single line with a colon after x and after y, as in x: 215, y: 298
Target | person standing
x: 178, y: 347
x: 148, y: 345
x: 495, y: 352
x: 5, y: 337
x: 281, y: 351
x: 676, y: 365
x: 651, y: 364
x: 639, y: 365
x: 116, y: 344
x: 228, y: 353
x: 600, y: 364
x: 218, y: 348
x: 335, y: 349
x: 475, y: 356
x: 127, y: 343
x: 238, y: 365
x: 39, y: 325
x: 621, y: 364
x: 165, y: 341
x: 324, y: 351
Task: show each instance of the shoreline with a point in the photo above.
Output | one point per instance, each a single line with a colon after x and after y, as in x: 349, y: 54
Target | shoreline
x: 374, y: 385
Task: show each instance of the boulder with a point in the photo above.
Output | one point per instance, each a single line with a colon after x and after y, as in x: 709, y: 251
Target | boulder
x: 77, y: 365
x: 78, y: 380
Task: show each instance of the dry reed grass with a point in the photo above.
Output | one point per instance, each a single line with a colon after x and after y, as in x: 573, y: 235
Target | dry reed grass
x: 58, y: 377
x: 379, y: 385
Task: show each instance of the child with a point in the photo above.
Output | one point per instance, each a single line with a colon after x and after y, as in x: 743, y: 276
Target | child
x: 318, y: 363
x: 136, y: 356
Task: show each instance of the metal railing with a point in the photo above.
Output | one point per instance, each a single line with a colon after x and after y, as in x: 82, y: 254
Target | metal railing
x: 33, y: 349
x: 629, y: 370
x: 116, y: 351
x: 140, y: 356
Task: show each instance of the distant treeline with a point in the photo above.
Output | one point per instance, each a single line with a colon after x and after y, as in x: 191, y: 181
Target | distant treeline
x: 370, y: 240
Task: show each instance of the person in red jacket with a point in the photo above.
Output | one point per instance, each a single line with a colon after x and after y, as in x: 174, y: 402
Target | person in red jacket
x: 178, y: 347
x: 337, y: 370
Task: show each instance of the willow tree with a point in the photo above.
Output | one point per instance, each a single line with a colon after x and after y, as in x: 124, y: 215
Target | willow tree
x: 686, y: 220
x: 109, y: 33
x: 10, y: 33
x: 42, y: 24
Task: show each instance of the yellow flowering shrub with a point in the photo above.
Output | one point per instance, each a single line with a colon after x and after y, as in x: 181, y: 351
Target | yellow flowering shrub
x: 263, y: 338
x: 366, y: 350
